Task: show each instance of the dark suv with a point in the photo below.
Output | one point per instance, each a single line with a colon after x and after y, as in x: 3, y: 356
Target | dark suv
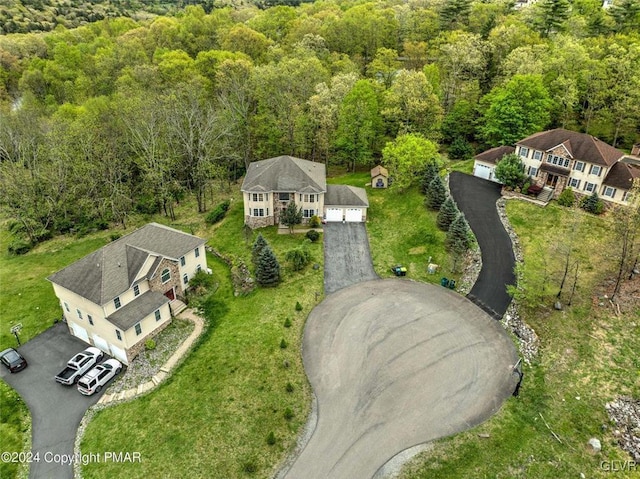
x: 13, y: 360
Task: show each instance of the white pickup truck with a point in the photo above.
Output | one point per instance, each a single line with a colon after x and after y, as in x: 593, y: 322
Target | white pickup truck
x: 78, y: 365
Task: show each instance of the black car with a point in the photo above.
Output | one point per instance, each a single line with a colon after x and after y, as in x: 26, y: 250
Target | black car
x: 13, y: 360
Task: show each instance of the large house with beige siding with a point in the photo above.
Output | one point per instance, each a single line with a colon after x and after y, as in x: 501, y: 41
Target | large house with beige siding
x: 557, y: 159
x: 270, y: 185
x: 126, y: 292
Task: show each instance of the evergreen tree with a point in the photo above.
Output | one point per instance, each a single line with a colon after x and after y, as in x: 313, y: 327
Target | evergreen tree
x: 436, y: 194
x: 458, y: 239
x: 447, y: 214
x: 593, y: 204
x: 291, y: 216
x: 268, y: 268
x: 430, y: 172
x: 258, y: 246
x: 551, y: 16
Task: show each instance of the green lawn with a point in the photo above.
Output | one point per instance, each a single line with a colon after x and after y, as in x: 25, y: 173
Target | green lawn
x: 588, y: 357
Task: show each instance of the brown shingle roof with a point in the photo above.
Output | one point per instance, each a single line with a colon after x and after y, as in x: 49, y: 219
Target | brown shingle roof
x: 622, y: 175
x: 494, y: 154
x: 379, y: 170
x: 580, y: 145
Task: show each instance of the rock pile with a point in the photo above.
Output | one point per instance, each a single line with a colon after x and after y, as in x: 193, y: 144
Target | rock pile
x: 624, y: 412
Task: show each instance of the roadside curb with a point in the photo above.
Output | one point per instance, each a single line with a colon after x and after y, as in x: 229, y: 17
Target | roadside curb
x: 166, y: 368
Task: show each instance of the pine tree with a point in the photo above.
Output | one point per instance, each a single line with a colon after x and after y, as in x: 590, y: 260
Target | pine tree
x: 268, y: 268
x: 593, y: 204
x: 258, y: 246
x: 436, y: 194
x: 447, y: 214
x: 430, y: 172
x: 291, y: 216
x: 458, y: 236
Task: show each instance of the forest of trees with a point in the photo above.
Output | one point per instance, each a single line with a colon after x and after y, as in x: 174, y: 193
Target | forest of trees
x: 122, y: 115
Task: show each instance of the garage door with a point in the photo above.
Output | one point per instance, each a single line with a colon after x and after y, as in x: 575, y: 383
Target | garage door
x: 101, y: 344
x: 119, y: 354
x: 483, y: 171
x: 334, y: 214
x: 353, y: 214
x: 79, y: 332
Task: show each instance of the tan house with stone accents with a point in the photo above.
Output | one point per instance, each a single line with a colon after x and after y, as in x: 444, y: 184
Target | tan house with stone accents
x: 270, y: 185
x: 126, y: 292
x: 557, y: 159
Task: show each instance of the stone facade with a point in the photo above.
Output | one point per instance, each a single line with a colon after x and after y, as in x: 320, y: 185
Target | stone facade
x: 155, y: 283
x: 137, y: 348
x: 258, y: 221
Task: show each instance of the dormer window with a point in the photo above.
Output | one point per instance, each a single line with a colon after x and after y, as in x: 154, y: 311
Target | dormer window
x: 166, y: 275
x: 116, y: 302
x: 136, y: 290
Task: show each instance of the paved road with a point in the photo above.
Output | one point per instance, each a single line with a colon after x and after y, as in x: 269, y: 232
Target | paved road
x: 477, y: 199
x: 347, y: 259
x: 393, y: 364
x: 56, y: 410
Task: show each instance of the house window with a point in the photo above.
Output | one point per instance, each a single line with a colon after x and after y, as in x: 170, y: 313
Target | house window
x: 185, y: 278
x: 136, y: 290
x: 533, y: 171
x: 266, y: 196
x: 116, y: 302
x: 138, y: 329
x: 258, y: 197
x: 118, y: 335
x: 308, y: 213
x: 182, y: 261
x: 625, y: 196
x: 158, y: 315
x: 524, y: 151
x: 558, y: 160
x: 537, y: 155
x: 258, y: 212
x: 79, y: 313
x: 90, y: 319
x: 66, y: 306
x: 283, y: 196
x: 610, y: 192
x: 267, y: 211
x: 306, y: 196
x: 579, y: 166
x: 166, y: 275
x: 198, y: 268
x: 595, y: 170
x: 590, y: 187
x: 574, y: 183
x: 197, y: 252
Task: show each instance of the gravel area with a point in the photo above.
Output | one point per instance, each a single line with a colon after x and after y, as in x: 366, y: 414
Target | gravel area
x: 624, y: 412
x: 148, y: 363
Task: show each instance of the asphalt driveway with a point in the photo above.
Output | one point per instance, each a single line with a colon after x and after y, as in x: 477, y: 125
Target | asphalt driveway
x: 394, y: 364
x: 56, y: 410
x: 476, y: 198
x: 347, y: 259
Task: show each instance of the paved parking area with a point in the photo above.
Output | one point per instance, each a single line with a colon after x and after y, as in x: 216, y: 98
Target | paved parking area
x: 396, y: 363
x: 56, y: 410
x: 347, y: 259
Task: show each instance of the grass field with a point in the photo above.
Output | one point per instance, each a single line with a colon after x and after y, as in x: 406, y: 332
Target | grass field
x: 588, y: 357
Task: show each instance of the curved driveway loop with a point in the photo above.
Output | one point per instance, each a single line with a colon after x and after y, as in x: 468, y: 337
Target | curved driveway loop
x: 393, y: 364
x: 56, y: 410
x: 477, y: 199
x: 347, y: 259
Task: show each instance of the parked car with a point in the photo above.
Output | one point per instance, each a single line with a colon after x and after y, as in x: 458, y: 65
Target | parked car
x: 13, y: 360
x: 78, y: 365
x: 93, y: 381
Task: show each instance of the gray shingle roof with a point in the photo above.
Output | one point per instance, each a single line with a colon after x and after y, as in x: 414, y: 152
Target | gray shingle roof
x: 285, y: 174
x: 135, y: 311
x: 580, y: 145
x: 345, y: 195
x: 110, y: 271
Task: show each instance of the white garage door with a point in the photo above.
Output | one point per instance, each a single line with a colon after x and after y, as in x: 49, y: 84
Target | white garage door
x: 483, y: 171
x: 79, y: 332
x: 334, y: 214
x: 353, y: 214
x: 119, y: 354
x: 101, y: 343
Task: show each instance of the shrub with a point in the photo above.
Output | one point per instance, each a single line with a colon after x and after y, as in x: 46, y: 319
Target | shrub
x: 592, y: 204
x: 510, y: 171
x: 19, y: 247
x: 250, y: 466
x: 567, y: 198
x: 201, y: 282
x: 114, y: 236
x: 288, y: 414
x: 313, y: 235
x: 283, y: 344
x: 218, y: 213
x: 298, y: 306
x: 289, y: 387
x: 271, y: 438
x: 298, y: 258
x: 149, y: 345
x: 314, y: 222
x: 287, y: 323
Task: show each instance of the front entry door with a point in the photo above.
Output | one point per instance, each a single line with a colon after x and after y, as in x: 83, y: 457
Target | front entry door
x: 170, y: 294
x: 552, y: 180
